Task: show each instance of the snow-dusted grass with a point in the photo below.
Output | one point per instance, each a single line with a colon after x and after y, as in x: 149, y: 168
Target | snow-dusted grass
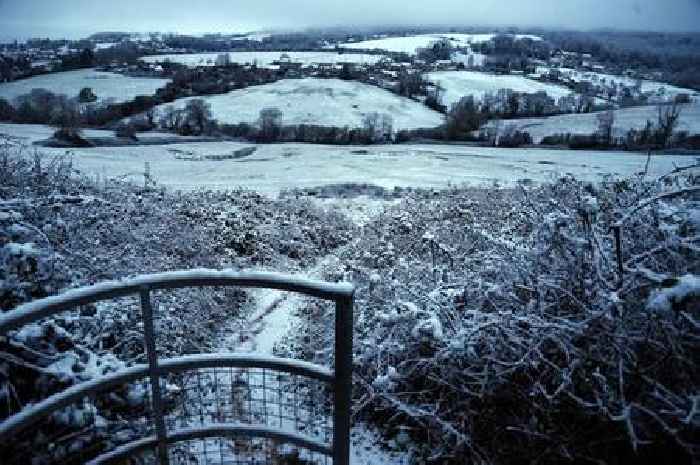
x: 276, y: 167
x: 105, y: 85
x: 409, y: 44
x: 586, y: 123
x: 325, y: 102
x: 265, y: 59
x: 458, y: 84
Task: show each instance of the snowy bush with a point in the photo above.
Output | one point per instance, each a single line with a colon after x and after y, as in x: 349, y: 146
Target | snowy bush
x: 497, y: 328
x: 59, y: 229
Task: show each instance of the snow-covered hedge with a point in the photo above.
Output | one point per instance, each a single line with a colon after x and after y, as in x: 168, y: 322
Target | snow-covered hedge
x: 59, y: 229
x: 492, y: 325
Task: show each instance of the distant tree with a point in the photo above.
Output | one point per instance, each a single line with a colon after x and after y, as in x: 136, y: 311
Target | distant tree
x: 438, y: 50
x: 170, y: 118
x: 513, y: 104
x: 411, y: 84
x: 86, y: 58
x: 464, y: 117
x: 606, y: 122
x: 223, y: 59
x: 511, y: 137
x: 38, y: 106
x: 434, y: 100
x: 65, y: 117
x: 198, y: 116
x: 346, y: 72
x: 86, y: 95
x: 386, y: 125
x: 7, y: 111
x: 668, y: 116
x: 377, y: 127
x: 150, y: 116
x: 270, y: 124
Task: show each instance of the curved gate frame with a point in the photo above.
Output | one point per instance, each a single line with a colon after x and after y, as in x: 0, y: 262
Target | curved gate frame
x: 340, y: 378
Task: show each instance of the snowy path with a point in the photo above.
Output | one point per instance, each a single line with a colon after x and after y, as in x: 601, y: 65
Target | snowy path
x: 274, y: 317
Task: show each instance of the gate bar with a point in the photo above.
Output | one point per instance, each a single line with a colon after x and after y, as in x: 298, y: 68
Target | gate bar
x: 154, y: 374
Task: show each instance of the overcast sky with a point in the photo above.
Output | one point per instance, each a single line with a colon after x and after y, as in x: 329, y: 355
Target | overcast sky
x: 77, y: 18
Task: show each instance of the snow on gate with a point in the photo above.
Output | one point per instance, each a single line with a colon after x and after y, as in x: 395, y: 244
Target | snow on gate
x: 215, y: 408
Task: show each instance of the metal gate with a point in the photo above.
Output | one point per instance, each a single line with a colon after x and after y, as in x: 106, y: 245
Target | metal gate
x: 287, y: 385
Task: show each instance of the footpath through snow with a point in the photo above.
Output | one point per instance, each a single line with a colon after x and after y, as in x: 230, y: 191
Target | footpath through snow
x: 276, y: 315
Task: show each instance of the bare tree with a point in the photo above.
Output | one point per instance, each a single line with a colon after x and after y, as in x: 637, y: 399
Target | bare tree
x: 270, y: 123
x: 668, y: 116
x: 378, y: 127
x: 65, y: 117
x: 198, y: 115
x: 606, y: 121
x: 169, y: 118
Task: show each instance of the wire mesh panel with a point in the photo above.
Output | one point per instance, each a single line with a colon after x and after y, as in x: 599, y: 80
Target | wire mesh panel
x: 232, y: 450
x: 254, y: 396
x: 215, y: 409
x: 242, y: 451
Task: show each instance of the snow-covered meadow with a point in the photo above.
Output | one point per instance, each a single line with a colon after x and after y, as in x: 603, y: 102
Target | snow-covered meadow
x: 652, y: 87
x: 276, y: 167
x: 106, y: 86
x: 325, y: 102
x: 409, y: 44
x: 265, y: 59
x: 587, y: 123
x: 457, y: 84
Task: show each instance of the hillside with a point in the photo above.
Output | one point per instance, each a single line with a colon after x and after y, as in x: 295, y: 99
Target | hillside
x: 458, y: 84
x: 106, y: 86
x: 325, y: 102
x: 587, y: 123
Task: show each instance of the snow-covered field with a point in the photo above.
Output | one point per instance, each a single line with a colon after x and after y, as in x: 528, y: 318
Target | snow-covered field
x: 275, y: 167
x: 656, y: 88
x: 265, y: 59
x: 106, y: 86
x: 327, y: 102
x: 24, y: 134
x: 458, y: 84
x: 409, y: 44
x: 586, y: 123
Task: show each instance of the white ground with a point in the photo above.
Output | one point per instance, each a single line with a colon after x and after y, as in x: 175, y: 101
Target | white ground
x: 660, y: 89
x: 25, y: 134
x: 265, y: 59
x: 586, y: 123
x: 409, y: 44
x: 458, y: 84
x: 275, y: 167
x: 327, y: 102
x: 105, y: 85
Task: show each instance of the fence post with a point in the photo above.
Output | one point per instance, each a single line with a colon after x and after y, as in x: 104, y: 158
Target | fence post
x: 154, y: 372
x: 343, y: 381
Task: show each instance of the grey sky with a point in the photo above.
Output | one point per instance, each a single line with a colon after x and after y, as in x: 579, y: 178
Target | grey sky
x: 76, y: 18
